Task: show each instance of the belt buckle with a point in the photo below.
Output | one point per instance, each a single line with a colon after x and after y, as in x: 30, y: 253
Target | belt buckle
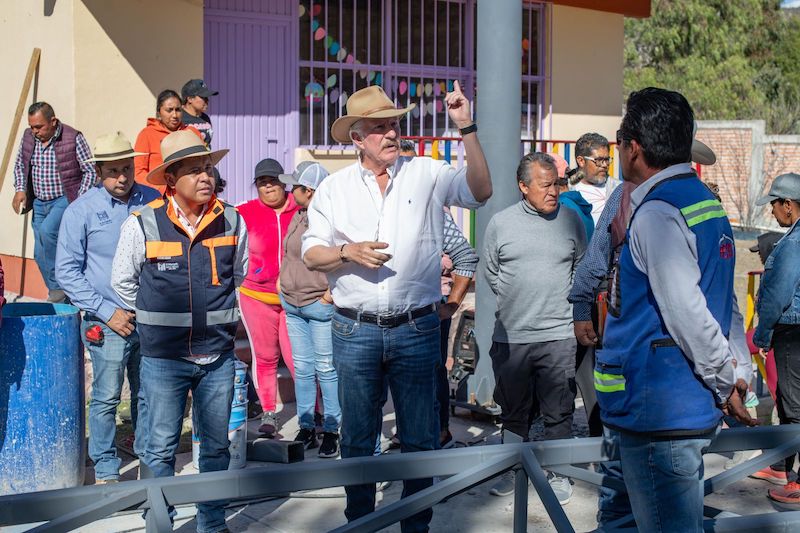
x: 379, y: 317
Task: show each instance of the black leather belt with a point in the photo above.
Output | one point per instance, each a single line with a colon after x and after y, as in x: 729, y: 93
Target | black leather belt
x: 386, y: 321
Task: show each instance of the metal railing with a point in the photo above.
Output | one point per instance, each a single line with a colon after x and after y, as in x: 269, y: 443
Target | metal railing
x: 462, y: 468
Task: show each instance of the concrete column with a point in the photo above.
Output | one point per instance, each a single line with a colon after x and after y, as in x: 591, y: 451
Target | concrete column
x: 499, y: 87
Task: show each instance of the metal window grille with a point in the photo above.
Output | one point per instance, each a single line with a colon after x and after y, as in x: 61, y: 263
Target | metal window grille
x: 415, y: 49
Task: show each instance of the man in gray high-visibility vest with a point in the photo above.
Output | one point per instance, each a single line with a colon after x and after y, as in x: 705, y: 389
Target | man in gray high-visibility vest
x: 178, y: 263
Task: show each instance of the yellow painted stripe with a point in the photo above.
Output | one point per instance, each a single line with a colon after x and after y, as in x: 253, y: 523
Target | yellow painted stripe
x: 706, y: 216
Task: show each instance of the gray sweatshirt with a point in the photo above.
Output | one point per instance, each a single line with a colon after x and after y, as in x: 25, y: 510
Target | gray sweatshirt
x: 529, y: 263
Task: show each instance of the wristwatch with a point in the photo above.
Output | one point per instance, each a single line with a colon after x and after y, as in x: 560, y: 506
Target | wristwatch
x: 469, y: 129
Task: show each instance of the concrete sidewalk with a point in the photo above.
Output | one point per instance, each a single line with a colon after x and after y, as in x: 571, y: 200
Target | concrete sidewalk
x: 472, y: 511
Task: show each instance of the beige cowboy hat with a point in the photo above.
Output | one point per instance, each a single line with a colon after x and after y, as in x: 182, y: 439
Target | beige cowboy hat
x: 112, y: 147
x: 701, y: 152
x: 370, y: 102
x: 180, y: 145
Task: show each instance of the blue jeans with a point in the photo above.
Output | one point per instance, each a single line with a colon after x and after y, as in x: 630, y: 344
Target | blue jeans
x: 664, y: 481
x: 46, y: 221
x: 165, y: 384
x: 408, y: 356
x: 442, y: 384
x: 612, y: 504
x: 309, y: 330
x: 110, y: 359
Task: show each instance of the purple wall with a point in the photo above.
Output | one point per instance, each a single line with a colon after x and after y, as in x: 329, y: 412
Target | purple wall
x: 251, y: 59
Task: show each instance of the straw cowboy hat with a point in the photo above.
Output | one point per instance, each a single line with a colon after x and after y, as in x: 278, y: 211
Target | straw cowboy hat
x: 370, y: 102
x: 180, y: 145
x: 112, y: 147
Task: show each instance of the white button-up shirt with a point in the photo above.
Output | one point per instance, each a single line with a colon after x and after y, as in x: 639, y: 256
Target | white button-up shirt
x: 348, y: 208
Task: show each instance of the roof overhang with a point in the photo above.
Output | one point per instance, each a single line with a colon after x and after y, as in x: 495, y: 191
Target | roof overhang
x: 629, y: 8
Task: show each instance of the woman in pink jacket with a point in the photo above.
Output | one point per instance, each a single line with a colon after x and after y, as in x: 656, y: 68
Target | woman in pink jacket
x: 267, y: 218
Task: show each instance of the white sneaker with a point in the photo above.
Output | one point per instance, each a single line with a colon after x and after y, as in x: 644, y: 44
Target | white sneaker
x: 562, y: 488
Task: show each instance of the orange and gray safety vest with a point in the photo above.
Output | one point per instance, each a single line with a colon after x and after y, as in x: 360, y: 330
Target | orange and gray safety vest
x: 186, y: 303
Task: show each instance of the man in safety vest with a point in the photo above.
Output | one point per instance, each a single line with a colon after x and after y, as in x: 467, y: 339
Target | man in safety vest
x: 177, y: 266
x: 669, y: 319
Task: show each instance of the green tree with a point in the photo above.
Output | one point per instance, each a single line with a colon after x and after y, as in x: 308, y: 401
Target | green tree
x: 732, y: 59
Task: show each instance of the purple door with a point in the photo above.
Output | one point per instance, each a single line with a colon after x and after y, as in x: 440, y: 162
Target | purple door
x: 251, y: 59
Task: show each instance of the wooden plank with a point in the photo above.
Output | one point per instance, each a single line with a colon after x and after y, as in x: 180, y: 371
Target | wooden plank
x: 12, y: 134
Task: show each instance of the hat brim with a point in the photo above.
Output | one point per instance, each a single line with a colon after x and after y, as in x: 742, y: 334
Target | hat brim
x: 288, y: 179
x: 113, y: 157
x: 702, y: 153
x: 156, y: 176
x: 767, y: 198
x: 340, y: 131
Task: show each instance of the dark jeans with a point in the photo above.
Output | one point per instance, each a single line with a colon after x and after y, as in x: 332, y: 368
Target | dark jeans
x: 786, y: 347
x: 442, y: 386
x: 408, y: 356
x: 165, y: 385
x: 550, y: 367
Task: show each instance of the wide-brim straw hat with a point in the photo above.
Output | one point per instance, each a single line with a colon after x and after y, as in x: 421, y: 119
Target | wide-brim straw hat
x: 112, y: 147
x: 370, y: 102
x: 180, y: 145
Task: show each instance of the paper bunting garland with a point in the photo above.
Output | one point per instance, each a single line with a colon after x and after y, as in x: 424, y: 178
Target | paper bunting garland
x: 319, y: 34
x: 331, y: 81
x: 314, y: 92
x: 402, y: 87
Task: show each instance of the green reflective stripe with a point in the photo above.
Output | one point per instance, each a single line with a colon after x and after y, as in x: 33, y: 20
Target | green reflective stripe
x: 149, y: 224
x: 157, y: 318
x: 608, y: 382
x: 609, y: 388
x: 223, y: 316
x: 689, y: 209
x: 718, y: 213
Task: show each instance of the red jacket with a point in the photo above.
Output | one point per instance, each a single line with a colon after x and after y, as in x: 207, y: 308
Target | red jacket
x: 265, y: 233
x: 149, y: 142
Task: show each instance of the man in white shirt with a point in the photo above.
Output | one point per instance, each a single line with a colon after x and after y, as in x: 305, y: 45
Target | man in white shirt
x: 593, y: 159
x: 376, y: 228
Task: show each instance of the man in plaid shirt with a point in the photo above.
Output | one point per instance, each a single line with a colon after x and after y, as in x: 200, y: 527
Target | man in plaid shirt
x: 51, y: 170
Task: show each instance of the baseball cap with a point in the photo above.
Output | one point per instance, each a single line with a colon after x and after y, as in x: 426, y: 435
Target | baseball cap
x: 561, y: 164
x: 308, y: 174
x: 785, y: 186
x: 196, y: 88
x: 268, y: 167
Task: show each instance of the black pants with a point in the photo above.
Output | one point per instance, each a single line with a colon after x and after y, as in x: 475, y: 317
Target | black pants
x: 550, y: 368
x: 786, y: 347
x: 584, y: 377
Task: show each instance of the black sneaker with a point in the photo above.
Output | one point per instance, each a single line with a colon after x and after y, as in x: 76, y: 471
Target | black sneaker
x: 308, y: 437
x: 330, y: 445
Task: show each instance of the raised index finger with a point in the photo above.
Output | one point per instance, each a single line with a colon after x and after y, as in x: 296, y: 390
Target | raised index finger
x: 456, y: 86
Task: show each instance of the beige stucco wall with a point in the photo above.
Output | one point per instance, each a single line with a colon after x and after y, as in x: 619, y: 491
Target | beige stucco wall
x: 24, y: 27
x: 103, y: 63
x: 587, y: 62
x: 126, y: 52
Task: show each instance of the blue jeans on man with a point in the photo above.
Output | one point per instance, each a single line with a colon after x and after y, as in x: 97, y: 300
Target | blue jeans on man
x: 309, y: 330
x: 110, y: 359
x: 408, y: 356
x: 612, y: 504
x: 165, y: 384
x: 46, y: 221
x: 664, y: 480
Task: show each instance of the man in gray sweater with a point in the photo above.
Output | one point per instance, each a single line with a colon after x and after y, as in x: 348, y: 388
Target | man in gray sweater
x: 531, y: 251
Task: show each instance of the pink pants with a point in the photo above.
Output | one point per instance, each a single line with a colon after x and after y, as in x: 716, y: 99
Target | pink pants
x: 269, y: 339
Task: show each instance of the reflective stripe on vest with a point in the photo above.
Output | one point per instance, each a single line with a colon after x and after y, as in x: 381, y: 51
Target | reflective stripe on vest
x: 701, y: 211
x: 608, y: 382
x: 184, y: 320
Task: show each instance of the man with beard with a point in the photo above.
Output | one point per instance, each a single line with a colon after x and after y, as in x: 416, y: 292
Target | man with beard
x: 592, y: 156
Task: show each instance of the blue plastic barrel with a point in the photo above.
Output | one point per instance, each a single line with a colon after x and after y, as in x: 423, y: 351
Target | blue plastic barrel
x: 42, y: 413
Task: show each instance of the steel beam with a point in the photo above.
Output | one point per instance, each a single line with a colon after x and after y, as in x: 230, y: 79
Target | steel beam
x: 520, y: 500
x: 588, y: 476
x: 546, y: 494
x: 426, y: 498
x: 157, y: 518
x: 728, y: 477
x: 91, y: 513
